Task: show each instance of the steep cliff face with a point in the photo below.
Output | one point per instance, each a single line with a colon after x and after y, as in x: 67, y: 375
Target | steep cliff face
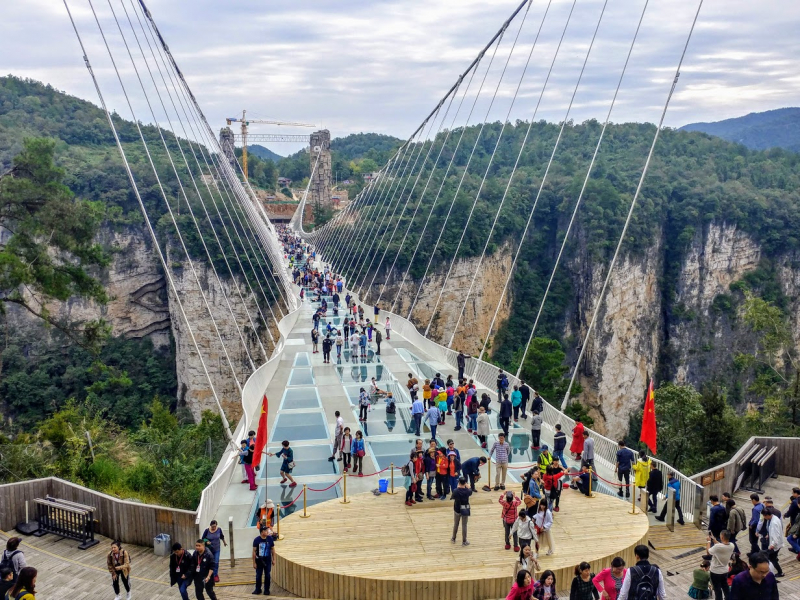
x: 143, y: 305
x: 480, y: 307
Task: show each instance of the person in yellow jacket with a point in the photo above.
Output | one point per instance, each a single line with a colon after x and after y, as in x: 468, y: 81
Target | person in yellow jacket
x: 641, y: 470
x: 25, y: 587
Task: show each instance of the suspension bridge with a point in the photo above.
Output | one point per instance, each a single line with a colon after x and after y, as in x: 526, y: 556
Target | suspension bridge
x: 398, y: 246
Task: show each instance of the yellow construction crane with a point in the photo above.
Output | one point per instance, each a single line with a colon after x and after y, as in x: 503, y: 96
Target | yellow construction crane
x: 245, y: 122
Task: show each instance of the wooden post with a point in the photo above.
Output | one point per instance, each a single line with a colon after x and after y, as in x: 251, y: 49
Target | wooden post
x: 230, y: 536
x: 671, y: 509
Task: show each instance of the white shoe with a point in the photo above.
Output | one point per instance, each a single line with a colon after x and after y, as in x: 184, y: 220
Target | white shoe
x: 117, y: 597
x: 548, y: 553
x: 128, y: 597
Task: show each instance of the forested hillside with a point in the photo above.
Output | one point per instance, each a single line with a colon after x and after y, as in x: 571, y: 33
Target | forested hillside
x: 759, y: 131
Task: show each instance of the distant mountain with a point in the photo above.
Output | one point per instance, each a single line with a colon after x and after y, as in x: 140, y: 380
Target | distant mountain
x: 771, y: 129
x: 265, y: 153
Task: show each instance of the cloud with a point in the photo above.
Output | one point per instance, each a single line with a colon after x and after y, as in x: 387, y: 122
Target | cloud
x: 382, y: 66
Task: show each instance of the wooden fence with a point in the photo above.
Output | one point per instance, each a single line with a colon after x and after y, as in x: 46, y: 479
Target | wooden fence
x: 129, y: 522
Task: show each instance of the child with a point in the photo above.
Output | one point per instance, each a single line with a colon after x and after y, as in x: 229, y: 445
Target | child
x: 359, y: 451
x: 701, y: 579
x: 346, y: 448
x: 441, y: 400
x: 552, y: 484
x: 288, y: 463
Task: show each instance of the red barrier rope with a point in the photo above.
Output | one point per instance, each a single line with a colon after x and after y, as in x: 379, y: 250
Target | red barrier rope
x: 325, y: 489
x: 616, y: 483
x: 296, y: 498
x: 377, y: 472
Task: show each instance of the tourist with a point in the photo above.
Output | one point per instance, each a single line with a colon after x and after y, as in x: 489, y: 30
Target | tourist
x: 609, y: 581
x: 338, y: 431
x: 417, y: 411
x: 315, y: 339
x: 587, y: 457
x: 453, y: 468
x: 757, y: 583
x: 363, y: 405
x: 426, y: 394
x: 378, y: 340
x: 543, y: 521
x: 387, y: 326
x: 576, y: 448
x: 552, y: 485
x: 180, y: 570
x: 545, y: 588
x: 508, y: 514
x: 526, y: 561
x: 15, y: 556
x: 119, y: 565
x: 486, y: 403
x: 675, y: 484
x: 288, y: 463
x: 642, y: 574
x: 502, y: 385
x: 441, y: 404
x: 213, y: 534
x: 442, y: 474
x: 202, y: 566
x: 6, y: 581
x: 536, y: 429
x: 429, y: 460
x: 472, y: 413
x: 524, y: 530
x: 653, y: 487
x: 504, y: 418
x: 793, y: 512
x: 718, y: 518
x: 523, y: 586
x: 412, y: 381
x: 582, y: 586
x: 516, y: 401
x: 461, y: 510
x: 737, y: 521
x: 537, y: 403
x: 772, y: 529
x: 263, y: 560
x: 458, y: 406
x: 362, y: 342
x: 792, y: 536
x: 583, y: 481
x: 432, y: 417
x: 720, y: 549
x: 625, y: 458
x: 25, y: 586
x: 346, y: 449
x: 470, y: 468
x: 545, y: 459
x: 247, y: 459
x: 419, y: 472
x: 559, y: 444
x: 701, y: 580
x: 242, y: 452
x: 503, y: 450
x: 327, y: 344
x: 359, y: 452
x: 525, y: 392
x: 533, y: 484
x: 461, y: 361
x: 410, y: 483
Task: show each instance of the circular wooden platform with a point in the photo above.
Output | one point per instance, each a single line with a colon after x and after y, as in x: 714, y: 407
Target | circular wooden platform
x: 377, y: 547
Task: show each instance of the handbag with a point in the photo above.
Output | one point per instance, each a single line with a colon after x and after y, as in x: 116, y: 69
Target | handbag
x: 291, y: 465
x: 464, y: 510
x: 360, y: 453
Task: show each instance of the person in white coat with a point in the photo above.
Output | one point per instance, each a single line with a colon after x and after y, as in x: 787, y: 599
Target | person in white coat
x: 771, y: 526
x: 543, y: 520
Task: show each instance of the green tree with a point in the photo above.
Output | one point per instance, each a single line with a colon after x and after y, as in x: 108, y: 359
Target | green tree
x: 545, y: 371
x: 51, y: 240
x: 679, y: 412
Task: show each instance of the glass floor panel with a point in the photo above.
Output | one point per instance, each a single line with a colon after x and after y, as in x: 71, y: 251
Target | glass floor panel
x: 521, y: 451
x: 407, y: 355
x: 363, y: 373
x: 301, y: 377
x: 300, y: 398
x: 302, y: 359
x: 423, y: 371
x: 335, y: 321
x: 355, y: 357
x: 299, y: 426
x: 397, y: 390
x: 309, y: 460
x: 283, y: 495
x: 392, y: 451
x: 380, y: 423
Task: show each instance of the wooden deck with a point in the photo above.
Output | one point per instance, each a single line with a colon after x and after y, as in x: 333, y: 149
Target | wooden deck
x: 380, y: 548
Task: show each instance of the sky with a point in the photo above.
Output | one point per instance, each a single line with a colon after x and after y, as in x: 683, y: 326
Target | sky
x: 383, y: 65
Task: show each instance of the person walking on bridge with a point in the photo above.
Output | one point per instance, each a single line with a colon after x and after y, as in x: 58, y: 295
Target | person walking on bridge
x: 461, y: 361
x: 503, y: 450
x: 625, y: 458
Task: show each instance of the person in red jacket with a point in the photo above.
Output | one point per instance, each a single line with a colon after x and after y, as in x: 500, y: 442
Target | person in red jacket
x: 419, y: 469
x: 577, y: 441
x: 522, y: 588
x: 552, y: 484
x: 509, y: 502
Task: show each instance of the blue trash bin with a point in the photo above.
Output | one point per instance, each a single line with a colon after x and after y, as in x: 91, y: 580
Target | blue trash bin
x: 383, y: 485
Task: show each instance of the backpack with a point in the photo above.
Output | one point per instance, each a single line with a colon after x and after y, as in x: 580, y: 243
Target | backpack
x: 8, y: 563
x: 504, y: 382
x: 644, y: 585
x: 405, y: 471
x: 390, y: 408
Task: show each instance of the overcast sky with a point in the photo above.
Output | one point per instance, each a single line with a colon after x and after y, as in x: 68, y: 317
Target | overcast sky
x: 381, y: 66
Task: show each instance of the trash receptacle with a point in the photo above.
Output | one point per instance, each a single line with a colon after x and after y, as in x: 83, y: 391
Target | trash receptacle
x: 162, y: 545
x: 383, y: 485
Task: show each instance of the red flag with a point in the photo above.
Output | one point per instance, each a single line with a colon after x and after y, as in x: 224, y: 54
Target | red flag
x: 261, y: 434
x: 649, y: 420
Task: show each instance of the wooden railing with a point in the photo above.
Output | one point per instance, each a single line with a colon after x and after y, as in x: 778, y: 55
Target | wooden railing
x: 130, y: 522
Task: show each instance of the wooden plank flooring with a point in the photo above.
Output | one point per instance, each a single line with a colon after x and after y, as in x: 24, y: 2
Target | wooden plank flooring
x: 380, y: 546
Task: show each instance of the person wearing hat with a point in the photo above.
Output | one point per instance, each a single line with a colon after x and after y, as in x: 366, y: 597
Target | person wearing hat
x: 454, y: 468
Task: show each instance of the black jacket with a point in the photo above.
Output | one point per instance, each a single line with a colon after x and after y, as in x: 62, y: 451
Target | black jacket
x: 461, y: 361
x: 206, y: 561
x: 655, y: 482
x: 559, y: 441
x: 460, y: 496
x: 185, y: 564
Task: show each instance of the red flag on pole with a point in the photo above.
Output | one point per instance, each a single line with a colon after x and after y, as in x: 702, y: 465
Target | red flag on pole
x: 261, y: 434
x: 649, y: 420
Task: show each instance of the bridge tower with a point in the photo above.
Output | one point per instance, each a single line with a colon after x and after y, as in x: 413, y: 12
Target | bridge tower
x: 226, y: 143
x: 320, y: 189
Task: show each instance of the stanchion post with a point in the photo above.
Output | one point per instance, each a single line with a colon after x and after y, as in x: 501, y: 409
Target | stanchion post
x: 488, y: 486
x: 305, y: 514
x: 591, y: 476
x: 633, y: 502
x: 344, y: 486
x: 230, y: 536
x: 391, y: 490
x: 278, y: 522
